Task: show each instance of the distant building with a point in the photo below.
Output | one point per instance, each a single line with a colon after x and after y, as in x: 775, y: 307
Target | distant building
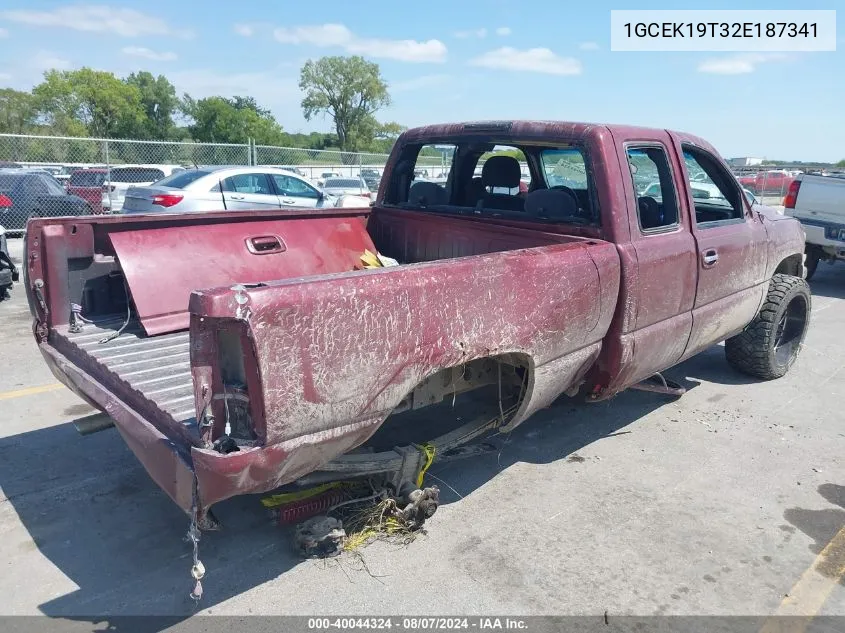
x: 746, y: 161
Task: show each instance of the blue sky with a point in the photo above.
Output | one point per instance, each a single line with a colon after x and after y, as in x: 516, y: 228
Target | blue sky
x: 444, y: 61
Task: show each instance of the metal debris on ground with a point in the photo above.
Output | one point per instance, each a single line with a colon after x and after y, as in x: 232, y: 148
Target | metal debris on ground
x: 390, y: 521
x: 345, y: 525
x: 320, y: 537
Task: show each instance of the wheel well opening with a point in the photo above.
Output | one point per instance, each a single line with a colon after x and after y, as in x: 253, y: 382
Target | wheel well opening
x: 792, y: 265
x: 493, y: 386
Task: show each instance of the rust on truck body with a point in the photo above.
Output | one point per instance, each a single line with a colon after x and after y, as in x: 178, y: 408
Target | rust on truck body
x: 319, y: 353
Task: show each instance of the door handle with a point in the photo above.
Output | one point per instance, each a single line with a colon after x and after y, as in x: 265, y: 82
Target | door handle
x: 709, y: 258
x: 265, y: 244
x: 288, y: 201
x: 237, y: 197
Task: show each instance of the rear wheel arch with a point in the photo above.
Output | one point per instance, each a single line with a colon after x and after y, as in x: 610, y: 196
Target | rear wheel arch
x: 501, y: 383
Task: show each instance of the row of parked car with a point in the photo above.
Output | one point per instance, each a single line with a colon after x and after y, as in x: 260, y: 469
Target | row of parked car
x: 37, y: 192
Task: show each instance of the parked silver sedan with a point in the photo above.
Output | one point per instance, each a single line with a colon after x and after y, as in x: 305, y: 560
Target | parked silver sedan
x: 347, y: 187
x: 230, y: 188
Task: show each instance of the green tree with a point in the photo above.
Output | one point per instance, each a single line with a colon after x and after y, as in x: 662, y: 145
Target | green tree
x: 159, y: 103
x: 841, y: 163
x: 249, y: 103
x: 17, y: 111
x: 385, y: 136
x: 348, y: 89
x: 103, y: 104
x: 221, y: 120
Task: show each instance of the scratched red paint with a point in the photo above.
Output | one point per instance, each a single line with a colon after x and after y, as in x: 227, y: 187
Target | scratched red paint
x: 329, y: 352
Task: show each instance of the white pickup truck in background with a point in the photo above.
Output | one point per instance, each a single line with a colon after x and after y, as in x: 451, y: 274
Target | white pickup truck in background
x: 818, y: 202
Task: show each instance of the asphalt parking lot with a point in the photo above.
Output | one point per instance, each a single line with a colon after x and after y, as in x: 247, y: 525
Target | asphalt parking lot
x: 728, y: 501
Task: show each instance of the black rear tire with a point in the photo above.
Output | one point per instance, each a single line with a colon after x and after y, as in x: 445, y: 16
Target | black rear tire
x: 769, y: 345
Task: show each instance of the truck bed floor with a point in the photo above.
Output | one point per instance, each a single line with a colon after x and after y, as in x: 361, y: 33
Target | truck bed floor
x: 157, y: 367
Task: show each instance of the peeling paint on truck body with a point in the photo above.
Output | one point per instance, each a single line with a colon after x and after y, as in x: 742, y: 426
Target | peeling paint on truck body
x: 320, y: 352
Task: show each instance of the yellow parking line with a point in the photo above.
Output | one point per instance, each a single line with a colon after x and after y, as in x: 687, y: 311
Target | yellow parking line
x: 29, y: 391
x: 808, y: 595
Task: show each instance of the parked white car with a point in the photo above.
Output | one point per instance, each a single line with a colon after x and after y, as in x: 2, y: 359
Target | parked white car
x: 218, y: 188
x: 326, y: 175
x: 120, y: 179
x: 353, y: 186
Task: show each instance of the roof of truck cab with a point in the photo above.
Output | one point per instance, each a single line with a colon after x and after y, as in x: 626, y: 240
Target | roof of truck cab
x: 528, y: 129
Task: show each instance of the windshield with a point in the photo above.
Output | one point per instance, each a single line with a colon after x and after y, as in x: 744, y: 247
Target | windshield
x: 87, y: 179
x: 345, y: 183
x: 136, y: 174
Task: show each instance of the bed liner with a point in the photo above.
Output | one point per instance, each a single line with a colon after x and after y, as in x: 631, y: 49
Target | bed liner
x: 153, y: 368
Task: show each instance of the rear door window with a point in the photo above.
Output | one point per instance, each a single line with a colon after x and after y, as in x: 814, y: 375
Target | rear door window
x: 248, y: 183
x: 657, y: 206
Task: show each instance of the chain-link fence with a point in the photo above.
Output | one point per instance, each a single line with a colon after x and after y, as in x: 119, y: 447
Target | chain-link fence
x: 54, y: 176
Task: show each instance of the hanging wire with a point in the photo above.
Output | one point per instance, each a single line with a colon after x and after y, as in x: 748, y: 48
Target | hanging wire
x: 114, y: 335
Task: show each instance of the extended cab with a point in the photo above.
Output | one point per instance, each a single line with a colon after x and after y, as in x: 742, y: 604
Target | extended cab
x: 242, y: 351
x: 818, y: 202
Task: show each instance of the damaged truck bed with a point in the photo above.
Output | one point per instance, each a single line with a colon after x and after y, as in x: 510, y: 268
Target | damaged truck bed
x: 238, y: 352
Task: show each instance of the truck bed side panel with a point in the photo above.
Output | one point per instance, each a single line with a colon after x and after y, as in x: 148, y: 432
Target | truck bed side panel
x: 337, y: 354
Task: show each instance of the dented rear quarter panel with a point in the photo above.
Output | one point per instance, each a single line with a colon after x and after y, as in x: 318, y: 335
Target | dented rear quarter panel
x: 336, y: 354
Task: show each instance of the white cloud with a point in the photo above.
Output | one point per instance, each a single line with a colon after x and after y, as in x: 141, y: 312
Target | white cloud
x: 588, y: 46
x: 269, y: 88
x: 146, y: 53
x: 245, y: 30
x: 537, y: 60
x: 339, y: 36
x: 45, y: 60
x: 479, y: 33
x: 418, y: 83
x: 96, y: 18
x: 736, y: 64
x: 503, y: 31
x: 5, y: 76
x: 4, y: 32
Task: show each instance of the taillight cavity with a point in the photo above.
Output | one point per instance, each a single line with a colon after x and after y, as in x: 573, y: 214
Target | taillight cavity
x: 791, y: 194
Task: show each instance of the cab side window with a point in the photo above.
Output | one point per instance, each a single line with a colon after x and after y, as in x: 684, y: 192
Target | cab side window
x: 657, y: 205
x: 715, y: 193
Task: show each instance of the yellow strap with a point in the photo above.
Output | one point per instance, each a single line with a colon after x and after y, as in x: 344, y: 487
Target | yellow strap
x: 283, y: 498
x: 429, y: 450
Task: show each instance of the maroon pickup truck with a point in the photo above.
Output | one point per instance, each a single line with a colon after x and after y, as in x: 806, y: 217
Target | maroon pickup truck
x: 238, y: 352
